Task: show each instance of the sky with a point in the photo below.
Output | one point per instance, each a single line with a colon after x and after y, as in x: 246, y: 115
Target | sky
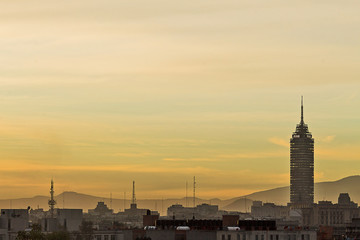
x: 96, y: 94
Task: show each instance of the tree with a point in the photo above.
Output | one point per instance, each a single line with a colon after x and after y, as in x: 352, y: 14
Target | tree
x: 86, y: 229
x: 62, y: 235
x: 34, y: 234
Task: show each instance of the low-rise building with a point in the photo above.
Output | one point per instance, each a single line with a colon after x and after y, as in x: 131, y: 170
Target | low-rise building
x: 202, y: 211
x: 267, y: 235
x: 14, y: 219
x: 269, y: 210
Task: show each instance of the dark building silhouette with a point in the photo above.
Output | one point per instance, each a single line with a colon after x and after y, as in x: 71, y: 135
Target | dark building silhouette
x: 301, y: 165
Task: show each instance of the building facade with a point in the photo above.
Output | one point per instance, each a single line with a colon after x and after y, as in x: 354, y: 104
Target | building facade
x: 301, y: 166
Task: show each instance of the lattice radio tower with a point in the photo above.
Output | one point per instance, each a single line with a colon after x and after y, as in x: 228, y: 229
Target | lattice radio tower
x: 52, y: 201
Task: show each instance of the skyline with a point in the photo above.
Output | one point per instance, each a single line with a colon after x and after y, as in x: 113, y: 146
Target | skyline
x: 97, y: 95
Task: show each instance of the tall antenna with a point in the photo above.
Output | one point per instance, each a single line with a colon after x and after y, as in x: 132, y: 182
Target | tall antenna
x: 133, y: 194
x: 110, y: 200
x: 302, y: 110
x: 194, y: 192
x: 52, y: 201
x: 186, y: 196
x: 124, y: 200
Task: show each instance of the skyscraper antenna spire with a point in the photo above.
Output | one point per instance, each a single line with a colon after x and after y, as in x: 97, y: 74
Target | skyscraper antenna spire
x: 302, y: 110
x: 133, y: 201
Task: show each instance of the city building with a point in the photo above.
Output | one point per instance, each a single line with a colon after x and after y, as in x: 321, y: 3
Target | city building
x: 101, y: 210
x: 301, y: 166
x: 63, y: 219
x: 269, y: 210
x: 267, y: 235
x: 202, y: 211
x: 14, y: 220
x: 69, y: 219
x: 353, y: 229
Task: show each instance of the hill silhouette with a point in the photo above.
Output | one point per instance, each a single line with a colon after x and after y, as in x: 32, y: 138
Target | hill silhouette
x: 323, y: 191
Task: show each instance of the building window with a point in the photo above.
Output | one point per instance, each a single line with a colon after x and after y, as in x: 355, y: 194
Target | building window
x: 244, y: 236
x: 271, y: 237
x: 257, y: 237
x: 98, y: 237
x: 262, y: 237
x: 106, y: 237
x: 113, y: 237
x: 277, y: 237
x: 229, y: 237
x: 238, y: 237
x: 223, y: 237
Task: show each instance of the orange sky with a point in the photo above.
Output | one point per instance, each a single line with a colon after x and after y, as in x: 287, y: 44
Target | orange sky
x: 98, y: 94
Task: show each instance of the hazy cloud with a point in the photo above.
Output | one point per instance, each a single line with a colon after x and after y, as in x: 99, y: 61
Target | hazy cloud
x: 190, y: 160
x: 327, y: 139
x: 280, y: 142
x: 109, y: 90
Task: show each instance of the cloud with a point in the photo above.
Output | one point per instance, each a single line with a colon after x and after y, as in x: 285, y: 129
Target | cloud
x: 338, y: 153
x: 132, y: 155
x: 327, y: 139
x: 279, y: 141
x: 134, y: 168
x: 190, y: 160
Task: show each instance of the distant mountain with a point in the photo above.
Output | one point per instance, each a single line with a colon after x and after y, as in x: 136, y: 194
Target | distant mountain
x: 323, y: 191
x: 241, y: 204
x: 86, y: 202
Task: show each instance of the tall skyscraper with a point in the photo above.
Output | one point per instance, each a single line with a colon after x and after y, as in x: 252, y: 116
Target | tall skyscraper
x: 301, y: 165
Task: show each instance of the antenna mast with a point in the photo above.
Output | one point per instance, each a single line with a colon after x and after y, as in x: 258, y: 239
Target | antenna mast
x: 302, y: 110
x: 124, y: 200
x: 52, y: 201
x: 133, y: 194
x: 194, y: 192
x: 186, y: 196
x: 110, y: 200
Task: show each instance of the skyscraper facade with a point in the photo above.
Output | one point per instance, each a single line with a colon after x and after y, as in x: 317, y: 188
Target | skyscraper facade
x: 301, y: 165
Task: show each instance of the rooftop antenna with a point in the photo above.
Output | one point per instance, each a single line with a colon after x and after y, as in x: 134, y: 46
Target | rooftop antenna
x: 124, y: 200
x: 52, y: 201
x: 133, y: 201
x: 194, y: 192
x: 186, y: 196
x: 111, y: 200
x: 302, y: 110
